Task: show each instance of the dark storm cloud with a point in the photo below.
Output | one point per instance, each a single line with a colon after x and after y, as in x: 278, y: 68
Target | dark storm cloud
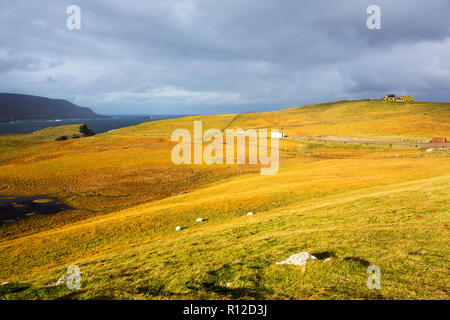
x: 223, y: 56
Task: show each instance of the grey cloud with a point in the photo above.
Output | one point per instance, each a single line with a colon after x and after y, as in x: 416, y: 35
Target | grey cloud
x: 205, y: 56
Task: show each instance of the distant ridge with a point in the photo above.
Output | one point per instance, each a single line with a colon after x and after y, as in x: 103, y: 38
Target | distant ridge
x: 27, y: 107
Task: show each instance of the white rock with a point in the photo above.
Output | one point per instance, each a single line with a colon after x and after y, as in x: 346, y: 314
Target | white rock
x: 61, y: 280
x: 429, y: 150
x: 199, y: 220
x: 397, y: 155
x: 250, y: 213
x: 178, y: 228
x: 5, y: 283
x: 298, y: 259
x: 327, y: 259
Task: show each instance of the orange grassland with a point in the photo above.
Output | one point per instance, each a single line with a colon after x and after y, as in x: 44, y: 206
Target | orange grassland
x: 359, y: 205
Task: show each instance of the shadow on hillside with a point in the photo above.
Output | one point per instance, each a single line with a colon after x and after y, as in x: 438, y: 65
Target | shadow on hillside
x: 235, y: 293
x: 324, y: 255
x: 358, y: 260
x: 212, y: 282
x: 330, y: 254
x: 13, y: 288
x: 75, y: 294
x: 154, y: 288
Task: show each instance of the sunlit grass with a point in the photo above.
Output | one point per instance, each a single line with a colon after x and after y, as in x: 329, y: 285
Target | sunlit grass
x: 356, y: 204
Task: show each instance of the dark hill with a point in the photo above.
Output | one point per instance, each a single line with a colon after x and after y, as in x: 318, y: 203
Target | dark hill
x: 26, y: 107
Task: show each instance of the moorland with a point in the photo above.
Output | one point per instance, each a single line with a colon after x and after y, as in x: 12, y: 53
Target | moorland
x: 358, y: 204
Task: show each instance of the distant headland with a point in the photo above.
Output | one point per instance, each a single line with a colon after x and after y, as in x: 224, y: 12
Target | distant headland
x: 27, y: 107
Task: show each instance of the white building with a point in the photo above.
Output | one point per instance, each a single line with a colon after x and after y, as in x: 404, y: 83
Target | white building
x: 277, y: 134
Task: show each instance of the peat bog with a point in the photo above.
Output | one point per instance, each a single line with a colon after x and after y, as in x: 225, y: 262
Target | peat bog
x: 13, y: 209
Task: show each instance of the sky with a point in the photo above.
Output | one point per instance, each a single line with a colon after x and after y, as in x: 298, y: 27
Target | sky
x: 228, y: 56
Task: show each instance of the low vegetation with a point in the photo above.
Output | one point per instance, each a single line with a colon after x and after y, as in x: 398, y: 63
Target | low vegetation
x: 359, y: 205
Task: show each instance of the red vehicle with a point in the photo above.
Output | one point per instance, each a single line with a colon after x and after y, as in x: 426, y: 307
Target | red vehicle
x: 439, y: 140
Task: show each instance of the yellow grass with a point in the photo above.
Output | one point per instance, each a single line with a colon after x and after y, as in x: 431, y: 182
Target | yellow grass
x: 42, y: 200
x: 357, y: 204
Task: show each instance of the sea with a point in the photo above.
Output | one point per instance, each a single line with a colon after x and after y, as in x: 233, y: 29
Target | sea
x: 99, y: 125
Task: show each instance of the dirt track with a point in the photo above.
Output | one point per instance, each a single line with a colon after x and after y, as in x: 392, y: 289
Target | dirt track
x: 376, y: 142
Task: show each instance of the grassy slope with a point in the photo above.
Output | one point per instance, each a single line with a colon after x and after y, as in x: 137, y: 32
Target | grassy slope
x: 365, y: 119
x: 361, y: 205
x: 97, y: 175
x: 47, y: 134
x: 368, y: 119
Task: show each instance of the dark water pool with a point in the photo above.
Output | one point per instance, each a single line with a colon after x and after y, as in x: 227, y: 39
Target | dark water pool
x: 13, y: 209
